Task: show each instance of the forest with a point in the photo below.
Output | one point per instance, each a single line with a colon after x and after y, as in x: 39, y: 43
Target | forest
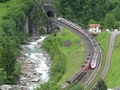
x: 84, y: 12
x: 12, y: 34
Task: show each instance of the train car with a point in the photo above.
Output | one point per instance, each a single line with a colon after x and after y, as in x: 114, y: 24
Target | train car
x: 72, y: 79
x: 89, y: 59
x: 80, y: 73
x: 76, y: 77
x: 61, y: 20
x: 94, y: 60
x: 96, y: 49
x: 85, y: 66
x: 71, y: 24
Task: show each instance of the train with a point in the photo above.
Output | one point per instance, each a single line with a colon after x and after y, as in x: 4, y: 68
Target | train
x: 91, y: 58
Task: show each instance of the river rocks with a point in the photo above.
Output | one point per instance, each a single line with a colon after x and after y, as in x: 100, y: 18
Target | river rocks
x: 5, y: 87
x: 36, y: 37
x: 28, y: 73
x: 35, y: 79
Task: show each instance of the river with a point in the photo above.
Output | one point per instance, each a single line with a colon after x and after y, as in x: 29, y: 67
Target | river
x: 35, y: 65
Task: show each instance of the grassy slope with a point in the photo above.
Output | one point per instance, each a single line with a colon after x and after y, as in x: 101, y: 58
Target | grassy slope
x: 74, y: 53
x: 103, y: 39
x: 4, y: 7
x: 113, y: 76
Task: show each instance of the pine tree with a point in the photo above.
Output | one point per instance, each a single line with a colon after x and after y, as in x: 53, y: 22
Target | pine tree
x: 8, y: 58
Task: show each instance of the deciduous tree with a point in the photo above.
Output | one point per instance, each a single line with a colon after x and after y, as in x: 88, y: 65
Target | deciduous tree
x: 109, y: 21
x: 100, y: 85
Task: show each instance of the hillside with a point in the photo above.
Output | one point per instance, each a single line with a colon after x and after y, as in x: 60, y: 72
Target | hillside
x: 18, y: 19
x: 5, y: 7
x: 83, y: 12
x: 63, y: 48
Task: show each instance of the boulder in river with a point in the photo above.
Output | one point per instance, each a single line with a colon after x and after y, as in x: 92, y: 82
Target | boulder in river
x: 35, y: 79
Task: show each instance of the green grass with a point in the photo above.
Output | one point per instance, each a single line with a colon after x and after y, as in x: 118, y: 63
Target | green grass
x: 5, y: 7
x: 112, y: 78
x: 74, y: 53
x: 103, y: 39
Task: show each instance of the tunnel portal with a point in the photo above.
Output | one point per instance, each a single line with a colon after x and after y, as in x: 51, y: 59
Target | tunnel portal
x: 50, y: 14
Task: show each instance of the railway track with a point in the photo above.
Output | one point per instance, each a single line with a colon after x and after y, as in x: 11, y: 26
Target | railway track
x: 109, y: 53
x: 89, y: 76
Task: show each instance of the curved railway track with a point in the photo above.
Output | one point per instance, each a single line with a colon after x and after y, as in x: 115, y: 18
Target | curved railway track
x: 109, y: 53
x: 89, y: 76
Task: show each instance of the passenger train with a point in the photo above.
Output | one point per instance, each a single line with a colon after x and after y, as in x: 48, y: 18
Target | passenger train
x: 91, y: 59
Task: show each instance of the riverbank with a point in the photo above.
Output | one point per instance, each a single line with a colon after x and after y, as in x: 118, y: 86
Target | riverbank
x: 35, y: 64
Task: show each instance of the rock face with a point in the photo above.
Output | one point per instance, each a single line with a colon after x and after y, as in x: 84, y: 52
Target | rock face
x: 26, y: 26
x: 28, y: 74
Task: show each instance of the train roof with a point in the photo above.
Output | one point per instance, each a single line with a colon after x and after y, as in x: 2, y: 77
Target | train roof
x: 96, y: 49
x: 79, y: 71
x: 87, y: 58
x: 83, y: 65
x: 89, y: 55
x: 94, y: 58
x: 91, y: 36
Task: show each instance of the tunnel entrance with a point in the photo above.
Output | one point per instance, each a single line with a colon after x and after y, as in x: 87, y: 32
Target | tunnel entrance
x: 50, y: 14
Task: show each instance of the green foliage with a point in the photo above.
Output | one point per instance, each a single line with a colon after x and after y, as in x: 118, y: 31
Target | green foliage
x: 4, y: 0
x: 92, y: 21
x: 116, y: 13
x: 9, y: 27
x: 17, y: 69
x: 12, y: 19
x: 1, y: 78
x: 84, y: 10
x: 100, y: 85
x: 8, y: 57
x: 79, y: 86
x: 63, y: 57
x: 109, y: 21
x: 117, y: 24
x: 50, y: 85
x: 51, y: 44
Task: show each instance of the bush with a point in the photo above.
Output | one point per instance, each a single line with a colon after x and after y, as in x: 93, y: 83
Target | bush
x: 17, y: 69
x: 79, y: 86
x: 51, y: 44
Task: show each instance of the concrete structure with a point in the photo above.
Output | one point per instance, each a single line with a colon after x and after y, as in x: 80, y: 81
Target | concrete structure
x: 50, y: 9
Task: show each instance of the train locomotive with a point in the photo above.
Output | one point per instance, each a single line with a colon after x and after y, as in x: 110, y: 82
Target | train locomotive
x: 91, y: 59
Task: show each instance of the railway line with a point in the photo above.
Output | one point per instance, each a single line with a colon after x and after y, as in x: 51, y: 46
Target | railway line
x: 109, y: 54
x: 90, y: 74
